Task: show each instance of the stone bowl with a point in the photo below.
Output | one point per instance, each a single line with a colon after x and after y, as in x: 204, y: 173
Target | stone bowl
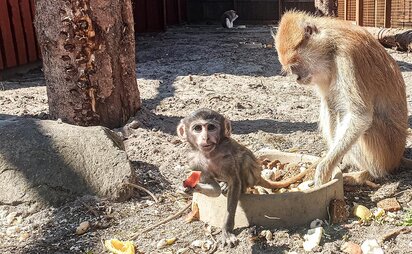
x: 281, y: 210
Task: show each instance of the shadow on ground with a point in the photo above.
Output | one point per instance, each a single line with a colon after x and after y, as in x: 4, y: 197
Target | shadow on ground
x: 209, y: 49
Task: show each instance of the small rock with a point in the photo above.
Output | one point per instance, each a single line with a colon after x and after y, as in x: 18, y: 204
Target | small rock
x: 239, y: 106
x: 197, y: 243
x: 176, y: 141
x: 306, y: 185
x: 3, y: 214
x: 161, y: 244
x: 24, y: 236
x: 267, y: 173
x: 267, y: 234
x: 165, y: 242
x: 134, y: 124
x: 371, y: 247
x: 312, y: 238
x: 183, y: 251
x: 386, y: 191
x: 82, y: 228
x: 207, y: 245
x: 338, y: 211
x: 10, y: 217
x: 316, y: 223
x: 12, y: 230
x: 351, y: 248
x: 389, y: 205
x: 18, y: 220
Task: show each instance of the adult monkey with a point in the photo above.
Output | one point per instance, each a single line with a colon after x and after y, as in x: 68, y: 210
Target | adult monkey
x: 363, y: 110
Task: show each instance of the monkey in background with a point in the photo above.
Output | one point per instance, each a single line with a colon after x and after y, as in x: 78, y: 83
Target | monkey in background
x: 363, y: 108
x: 221, y: 158
x: 228, y: 18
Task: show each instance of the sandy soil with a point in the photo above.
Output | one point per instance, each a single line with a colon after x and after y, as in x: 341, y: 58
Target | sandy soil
x: 234, y: 72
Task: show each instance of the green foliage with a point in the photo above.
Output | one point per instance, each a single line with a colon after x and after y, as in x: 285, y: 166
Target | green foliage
x: 407, y: 219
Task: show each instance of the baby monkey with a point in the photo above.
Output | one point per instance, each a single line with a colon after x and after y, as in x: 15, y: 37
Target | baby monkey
x: 228, y: 18
x: 221, y: 158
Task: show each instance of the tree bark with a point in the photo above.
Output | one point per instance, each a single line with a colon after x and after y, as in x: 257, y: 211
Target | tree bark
x: 326, y: 8
x: 88, y: 52
x: 400, y: 39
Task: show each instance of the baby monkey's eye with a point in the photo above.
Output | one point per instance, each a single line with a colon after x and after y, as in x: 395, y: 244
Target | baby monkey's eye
x: 211, y: 127
x: 197, y: 128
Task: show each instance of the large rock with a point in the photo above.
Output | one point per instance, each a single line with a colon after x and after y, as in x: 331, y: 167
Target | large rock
x: 51, y: 162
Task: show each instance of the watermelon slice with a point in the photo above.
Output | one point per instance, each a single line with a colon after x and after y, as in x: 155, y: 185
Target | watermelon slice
x: 192, y: 180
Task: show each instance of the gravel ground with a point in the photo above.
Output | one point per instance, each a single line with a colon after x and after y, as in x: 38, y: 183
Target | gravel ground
x: 235, y: 72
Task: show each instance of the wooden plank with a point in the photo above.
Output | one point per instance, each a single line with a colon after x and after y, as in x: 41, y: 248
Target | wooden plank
x: 33, y: 15
x: 298, y: 1
x: 29, y: 29
x: 20, y: 41
x: 387, y: 14
x: 376, y: 13
x: 179, y: 12
x: 5, y: 28
x: 1, y: 58
x: 359, y: 12
x: 32, y: 8
x: 345, y: 9
x: 164, y: 7
x: 280, y: 8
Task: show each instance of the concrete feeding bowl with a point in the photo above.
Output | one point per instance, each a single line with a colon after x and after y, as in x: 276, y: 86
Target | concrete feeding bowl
x: 275, y: 210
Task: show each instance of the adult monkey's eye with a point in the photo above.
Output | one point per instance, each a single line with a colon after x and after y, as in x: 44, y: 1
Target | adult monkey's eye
x: 197, y: 128
x: 211, y: 127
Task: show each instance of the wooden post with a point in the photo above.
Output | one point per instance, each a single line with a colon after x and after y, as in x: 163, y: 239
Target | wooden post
x: 359, y: 12
x: 387, y: 14
x: 235, y: 5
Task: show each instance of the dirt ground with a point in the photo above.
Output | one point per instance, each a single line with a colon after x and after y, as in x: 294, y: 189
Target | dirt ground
x: 236, y: 73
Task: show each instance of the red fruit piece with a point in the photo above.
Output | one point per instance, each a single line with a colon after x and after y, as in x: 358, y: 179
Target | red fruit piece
x: 192, y: 180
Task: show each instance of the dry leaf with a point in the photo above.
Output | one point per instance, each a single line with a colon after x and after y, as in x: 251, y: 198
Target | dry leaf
x: 194, y: 214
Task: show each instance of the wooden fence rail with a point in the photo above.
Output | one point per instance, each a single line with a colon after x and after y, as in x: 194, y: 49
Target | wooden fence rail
x: 377, y: 13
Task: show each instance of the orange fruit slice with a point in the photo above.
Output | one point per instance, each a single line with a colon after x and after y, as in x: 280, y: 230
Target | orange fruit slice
x: 119, y: 247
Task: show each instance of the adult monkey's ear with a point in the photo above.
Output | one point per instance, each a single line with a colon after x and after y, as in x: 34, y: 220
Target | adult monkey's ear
x: 181, y: 131
x: 228, y: 128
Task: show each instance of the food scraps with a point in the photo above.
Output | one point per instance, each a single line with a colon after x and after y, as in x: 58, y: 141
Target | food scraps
x: 192, y: 180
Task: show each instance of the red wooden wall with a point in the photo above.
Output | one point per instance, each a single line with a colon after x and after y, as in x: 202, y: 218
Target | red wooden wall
x: 155, y: 15
x: 18, y: 44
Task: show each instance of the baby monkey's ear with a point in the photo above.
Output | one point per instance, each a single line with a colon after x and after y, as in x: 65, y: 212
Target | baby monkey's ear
x: 181, y: 131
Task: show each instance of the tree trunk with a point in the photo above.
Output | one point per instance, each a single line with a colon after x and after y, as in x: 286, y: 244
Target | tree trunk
x: 398, y: 38
x: 326, y: 8
x: 88, y: 52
